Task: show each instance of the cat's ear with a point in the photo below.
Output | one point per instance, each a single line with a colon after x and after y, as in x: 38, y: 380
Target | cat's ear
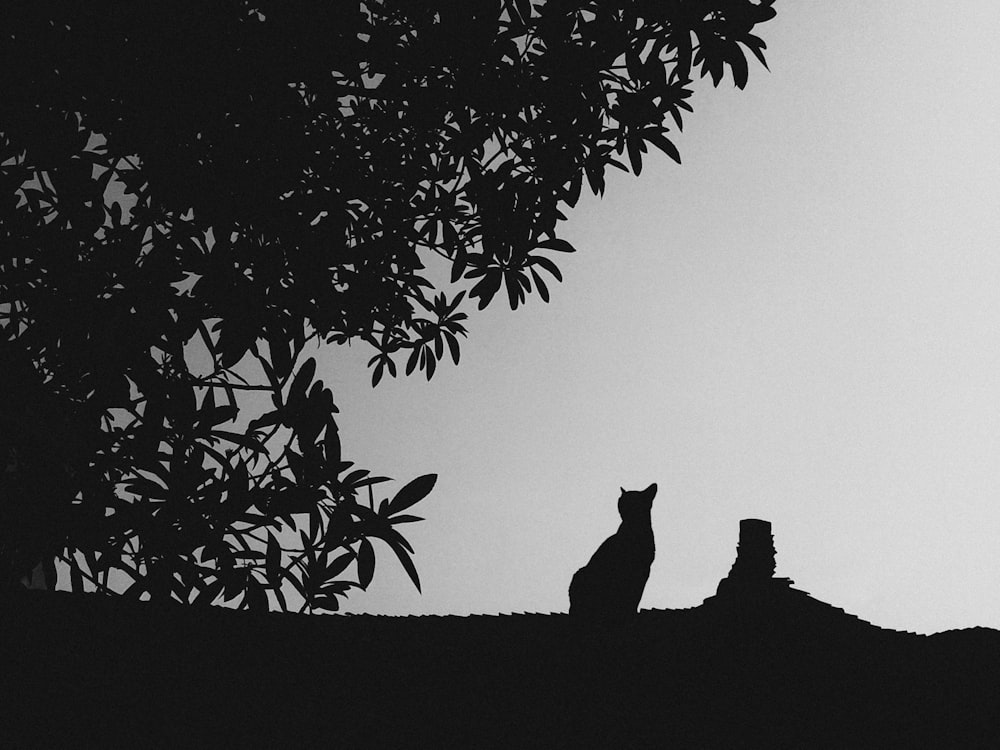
x: 622, y: 489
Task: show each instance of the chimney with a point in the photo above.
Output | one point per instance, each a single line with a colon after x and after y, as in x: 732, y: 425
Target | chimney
x: 754, y: 557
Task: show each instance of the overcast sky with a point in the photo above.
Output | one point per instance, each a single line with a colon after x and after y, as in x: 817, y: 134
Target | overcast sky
x: 801, y: 324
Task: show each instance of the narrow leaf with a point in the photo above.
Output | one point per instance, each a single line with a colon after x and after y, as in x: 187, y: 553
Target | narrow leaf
x: 561, y: 246
x: 328, y: 603
x: 338, y: 566
x: 366, y: 563
x: 272, y: 560
x: 661, y: 142
x: 303, y: 377
x: 408, y: 566
x: 412, y: 493
x: 452, y: 345
x: 548, y: 265
x: 264, y: 420
x: 213, y: 415
x: 540, y: 285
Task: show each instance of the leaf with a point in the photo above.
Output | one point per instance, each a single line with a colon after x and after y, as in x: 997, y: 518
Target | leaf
x: 738, y: 65
x: 272, y: 379
x: 331, y: 444
x: 540, y: 285
x: 595, y: 176
x: 663, y: 143
x: 547, y: 264
x: 756, y: 45
x: 411, y: 362
x: 327, y: 603
x: 487, y: 287
x: 272, y: 560
x: 366, y: 563
x: 354, y: 476
x: 208, y: 403
x: 523, y: 9
x: 634, y: 147
x: 338, y: 588
x: 394, y: 538
x: 370, y: 481
x: 307, y: 548
x: 560, y: 246
x: 302, y: 379
x: 617, y: 165
x: 217, y: 415
x: 407, y: 564
x: 452, y: 345
x: 338, y: 566
x: 250, y: 554
x: 453, y: 305
x: 571, y: 194
x: 404, y: 518
x: 264, y: 420
x: 430, y: 362
x: 411, y: 493
x: 514, y: 291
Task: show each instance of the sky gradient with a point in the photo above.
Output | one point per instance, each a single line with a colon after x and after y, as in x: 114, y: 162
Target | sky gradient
x: 801, y: 323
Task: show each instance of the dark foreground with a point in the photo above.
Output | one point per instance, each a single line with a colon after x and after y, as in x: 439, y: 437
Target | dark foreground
x: 770, y: 667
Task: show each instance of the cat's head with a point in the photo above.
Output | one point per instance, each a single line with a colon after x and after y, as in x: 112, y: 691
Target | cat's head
x: 636, y: 503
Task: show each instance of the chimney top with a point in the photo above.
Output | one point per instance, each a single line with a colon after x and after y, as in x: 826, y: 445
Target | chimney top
x: 754, y: 556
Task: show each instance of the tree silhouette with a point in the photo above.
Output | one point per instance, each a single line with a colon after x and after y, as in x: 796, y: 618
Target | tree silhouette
x: 196, y: 194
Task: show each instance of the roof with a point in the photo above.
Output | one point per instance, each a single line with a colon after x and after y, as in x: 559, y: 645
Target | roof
x: 762, y: 663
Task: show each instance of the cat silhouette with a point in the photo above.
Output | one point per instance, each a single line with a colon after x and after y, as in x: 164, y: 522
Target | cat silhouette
x: 611, y: 584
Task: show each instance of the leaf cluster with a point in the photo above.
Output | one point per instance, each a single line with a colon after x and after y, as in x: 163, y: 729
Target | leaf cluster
x: 191, y: 194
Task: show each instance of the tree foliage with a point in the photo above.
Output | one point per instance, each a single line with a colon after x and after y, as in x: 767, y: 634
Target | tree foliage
x: 195, y: 194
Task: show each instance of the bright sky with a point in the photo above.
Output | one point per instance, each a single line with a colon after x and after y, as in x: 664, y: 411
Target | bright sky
x: 801, y: 323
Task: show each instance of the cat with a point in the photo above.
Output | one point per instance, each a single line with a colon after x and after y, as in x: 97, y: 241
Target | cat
x: 611, y: 584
